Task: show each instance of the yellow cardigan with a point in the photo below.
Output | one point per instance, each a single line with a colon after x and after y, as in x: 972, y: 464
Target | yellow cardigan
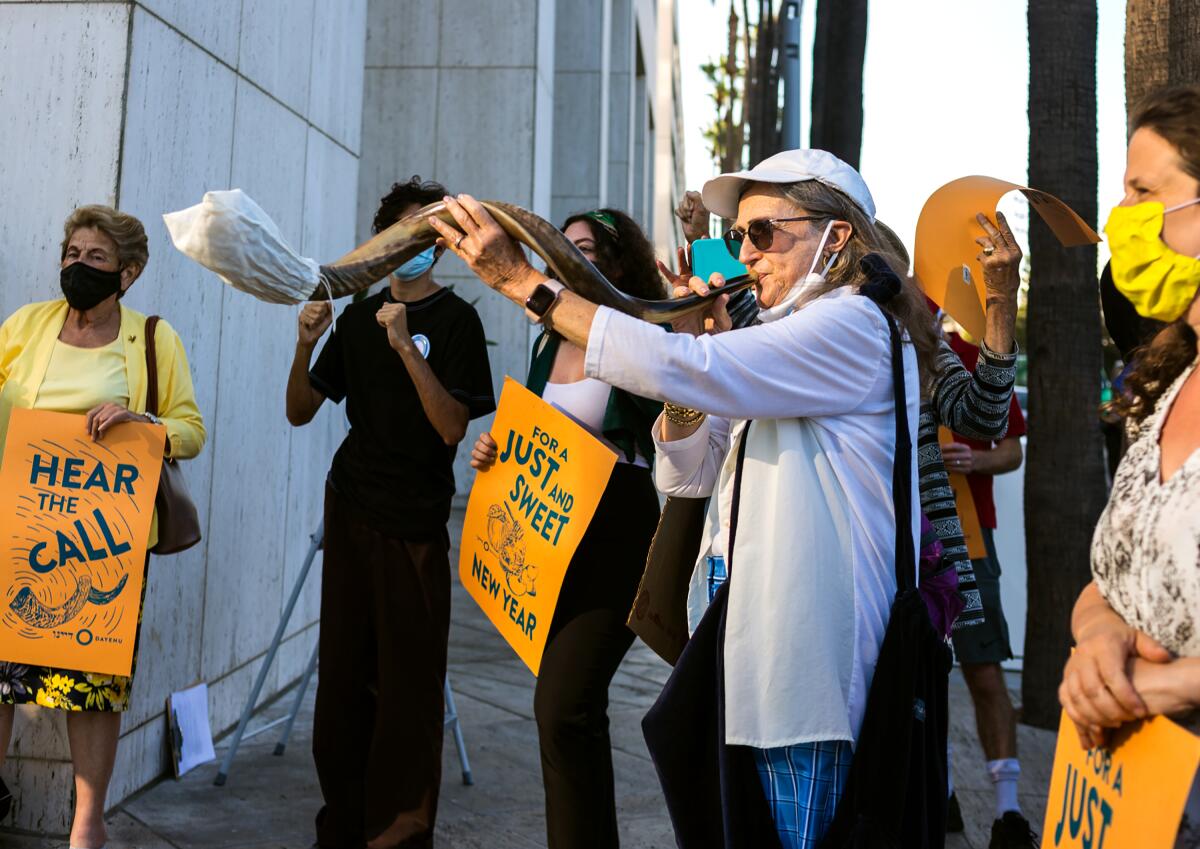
x: 27, y: 341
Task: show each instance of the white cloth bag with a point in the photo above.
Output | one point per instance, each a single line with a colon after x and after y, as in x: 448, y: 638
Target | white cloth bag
x: 230, y: 235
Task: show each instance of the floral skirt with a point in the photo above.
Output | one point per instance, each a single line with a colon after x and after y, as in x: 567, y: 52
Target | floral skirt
x: 70, y: 689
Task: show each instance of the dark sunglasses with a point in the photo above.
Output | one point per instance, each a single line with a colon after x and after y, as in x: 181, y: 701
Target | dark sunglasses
x: 761, y: 232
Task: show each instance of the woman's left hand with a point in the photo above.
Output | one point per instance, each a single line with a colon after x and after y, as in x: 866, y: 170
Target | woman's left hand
x: 481, y: 243
x: 101, y: 418
x: 1167, y: 688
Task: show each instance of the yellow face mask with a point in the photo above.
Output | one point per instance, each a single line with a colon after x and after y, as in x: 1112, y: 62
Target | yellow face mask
x: 1159, y: 282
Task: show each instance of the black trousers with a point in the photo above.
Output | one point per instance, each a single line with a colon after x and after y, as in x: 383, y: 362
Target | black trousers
x: 587, y: 640
x: 377, y: 730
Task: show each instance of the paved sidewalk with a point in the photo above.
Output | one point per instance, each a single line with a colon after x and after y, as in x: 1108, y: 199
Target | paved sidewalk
x: 269, y: 802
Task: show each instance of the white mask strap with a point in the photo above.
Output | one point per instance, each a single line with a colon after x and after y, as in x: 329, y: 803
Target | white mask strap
x: 821, y: 247
x: 329, y: 292
x: 1186, y: 203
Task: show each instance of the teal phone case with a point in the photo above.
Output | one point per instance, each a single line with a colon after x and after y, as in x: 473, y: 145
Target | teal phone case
x: 711, y: 256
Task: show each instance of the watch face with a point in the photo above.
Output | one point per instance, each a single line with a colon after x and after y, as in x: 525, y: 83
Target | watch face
x: 541, y: 300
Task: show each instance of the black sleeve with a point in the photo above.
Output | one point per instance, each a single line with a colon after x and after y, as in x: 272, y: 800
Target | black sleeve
x: 328, y: 375
x: 467, y: 375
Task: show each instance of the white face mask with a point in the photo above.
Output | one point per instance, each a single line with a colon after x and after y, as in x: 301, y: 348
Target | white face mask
x: 812, y: 281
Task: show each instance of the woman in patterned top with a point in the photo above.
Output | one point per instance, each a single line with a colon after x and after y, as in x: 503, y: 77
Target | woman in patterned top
x: 1137, y: 641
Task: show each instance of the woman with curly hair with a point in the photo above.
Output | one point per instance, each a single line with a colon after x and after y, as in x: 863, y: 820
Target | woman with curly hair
x: 1137, y: 625
x: 588, y: 637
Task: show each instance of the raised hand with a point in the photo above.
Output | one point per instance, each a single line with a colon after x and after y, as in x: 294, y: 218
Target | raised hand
x: 315, y: 318
x: 692, y: 213
x: 1000, y: 256
x: 394, y: 317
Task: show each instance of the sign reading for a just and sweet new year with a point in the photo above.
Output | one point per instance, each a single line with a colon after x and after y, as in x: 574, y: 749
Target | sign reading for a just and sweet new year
x: 527, y: 514
x: 1129, y: 794
x: 74, y: 526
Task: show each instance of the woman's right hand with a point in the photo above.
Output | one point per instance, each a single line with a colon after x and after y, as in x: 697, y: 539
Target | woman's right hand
x: 714, y: 318
x: 1096, y: 690
x: 315, y: 318
x: 483, y: 455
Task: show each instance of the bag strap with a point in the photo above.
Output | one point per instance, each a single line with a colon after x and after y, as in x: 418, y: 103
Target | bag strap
x: 882, y: 285
x: 737, y: 497
x: 151, y: 366
x: 902, y: 469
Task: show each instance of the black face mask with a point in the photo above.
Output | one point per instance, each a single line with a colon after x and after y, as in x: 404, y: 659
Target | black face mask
x: 84, y: 286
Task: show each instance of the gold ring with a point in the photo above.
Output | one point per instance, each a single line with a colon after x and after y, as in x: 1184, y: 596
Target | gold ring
x: 459, y: 241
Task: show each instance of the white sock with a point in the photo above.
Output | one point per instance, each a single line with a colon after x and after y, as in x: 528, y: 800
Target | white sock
x: 1005, y: 773
x: 949, y: 770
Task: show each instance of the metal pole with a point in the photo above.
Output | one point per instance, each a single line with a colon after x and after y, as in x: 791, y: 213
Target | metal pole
x: 790, y: 71
x: 300, y: 691
x: 223, y: 772
x: 456, y: 727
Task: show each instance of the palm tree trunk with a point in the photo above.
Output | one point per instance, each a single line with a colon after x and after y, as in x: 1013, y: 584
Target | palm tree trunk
x: 1162, y: 45
x: 839, y: 47
x: 733, y: 129
x: 1065, y: 486
x: 1183, y: 48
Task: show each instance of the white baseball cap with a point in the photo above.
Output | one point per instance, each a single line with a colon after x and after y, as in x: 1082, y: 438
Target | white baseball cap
x: 721, y: 194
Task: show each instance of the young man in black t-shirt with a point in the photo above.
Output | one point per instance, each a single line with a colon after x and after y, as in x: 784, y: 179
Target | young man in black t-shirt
x: 411, y: 363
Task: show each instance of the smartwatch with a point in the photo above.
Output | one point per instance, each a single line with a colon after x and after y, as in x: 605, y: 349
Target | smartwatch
x: 543, y: 298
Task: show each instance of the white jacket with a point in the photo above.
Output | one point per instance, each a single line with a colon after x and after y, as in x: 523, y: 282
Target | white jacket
x: 816, y: 532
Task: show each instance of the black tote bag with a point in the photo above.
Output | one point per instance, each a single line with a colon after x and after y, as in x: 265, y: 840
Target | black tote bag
x: 712, y: 789
x: 895, y: 795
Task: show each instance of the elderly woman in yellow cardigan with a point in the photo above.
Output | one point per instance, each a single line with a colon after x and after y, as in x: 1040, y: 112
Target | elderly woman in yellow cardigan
x: 86, y: 353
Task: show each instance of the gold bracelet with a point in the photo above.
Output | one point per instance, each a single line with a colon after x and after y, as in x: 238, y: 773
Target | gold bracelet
x: 682, y: 416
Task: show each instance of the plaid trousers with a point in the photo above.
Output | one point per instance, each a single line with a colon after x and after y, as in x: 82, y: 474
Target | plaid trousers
x: 803, y: 784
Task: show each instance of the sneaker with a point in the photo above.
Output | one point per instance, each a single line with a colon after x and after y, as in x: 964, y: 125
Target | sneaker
x: 954, y: 822
x: 1012, y: 831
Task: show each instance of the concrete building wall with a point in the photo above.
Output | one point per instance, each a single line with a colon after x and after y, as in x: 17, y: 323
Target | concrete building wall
x: 146, y: 105
x: 463, y: 93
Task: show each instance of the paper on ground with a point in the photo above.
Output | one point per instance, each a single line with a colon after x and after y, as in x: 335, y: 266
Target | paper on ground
x: 191, y: 734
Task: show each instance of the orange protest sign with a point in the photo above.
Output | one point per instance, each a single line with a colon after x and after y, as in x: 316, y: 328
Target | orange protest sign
x: 74, y: 525
x: 964, y: 502
x: 527, y: 514
x: 944, y: 256
x: 1128, y: 795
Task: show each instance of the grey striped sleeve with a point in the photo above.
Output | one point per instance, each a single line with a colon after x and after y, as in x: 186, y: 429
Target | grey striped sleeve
x: 973, y: 405
x: 937, y: 503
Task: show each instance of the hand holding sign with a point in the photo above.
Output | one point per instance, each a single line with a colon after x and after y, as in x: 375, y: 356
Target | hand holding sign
x: 1000, y: 258
x: 948, y: 260
x: 1129, y: 794
x: 539, y: 483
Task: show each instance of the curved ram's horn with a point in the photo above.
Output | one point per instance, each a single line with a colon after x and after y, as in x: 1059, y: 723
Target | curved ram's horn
x: 378, y: 257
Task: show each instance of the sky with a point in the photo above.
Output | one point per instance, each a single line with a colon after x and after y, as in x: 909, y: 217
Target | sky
x: 945, y: 93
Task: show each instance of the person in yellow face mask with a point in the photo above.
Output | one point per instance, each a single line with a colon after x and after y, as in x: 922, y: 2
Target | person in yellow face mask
x: 1137, y: 625
x: 1154, y: 234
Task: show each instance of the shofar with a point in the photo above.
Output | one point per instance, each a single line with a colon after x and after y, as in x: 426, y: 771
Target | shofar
x: 229, y: 234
